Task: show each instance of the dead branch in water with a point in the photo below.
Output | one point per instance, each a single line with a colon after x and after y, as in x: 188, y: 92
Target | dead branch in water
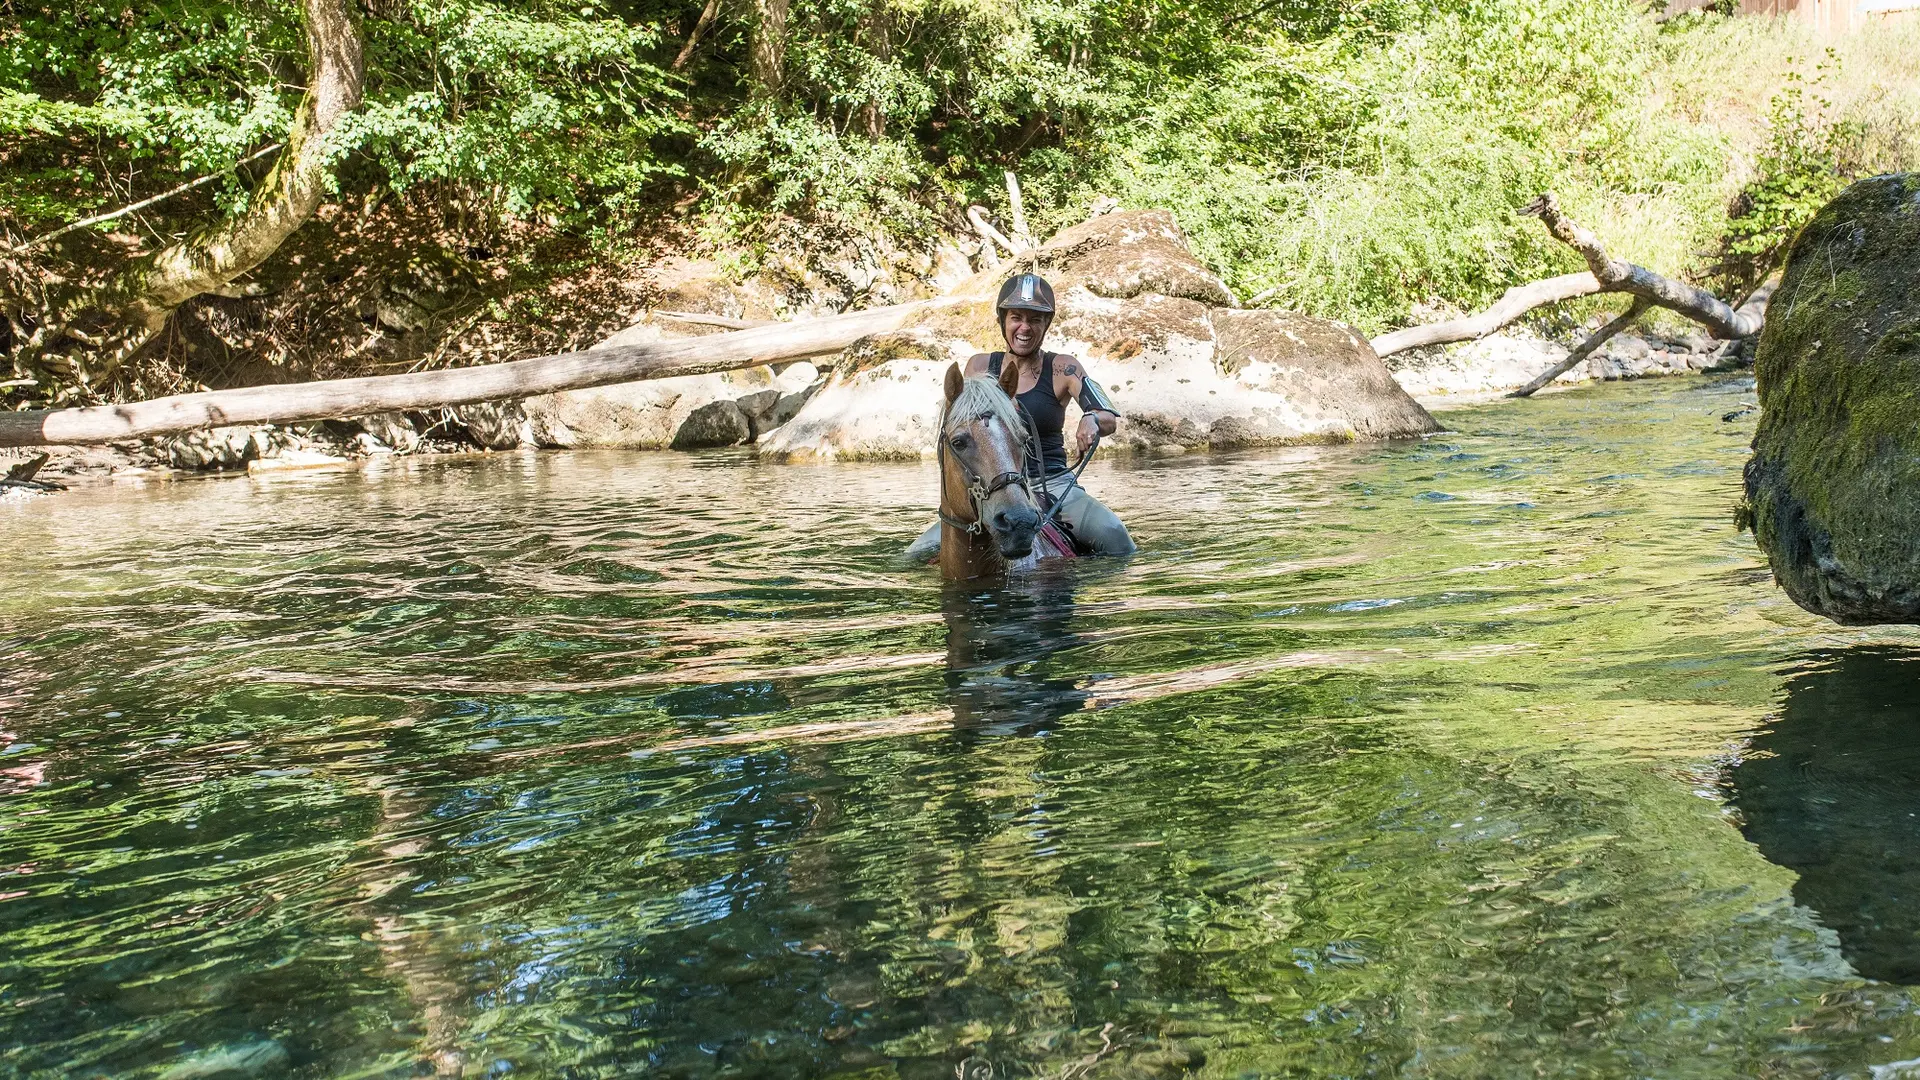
x: 1625, y: 319
x: 1605, y: 274
x: 1617, y: 275
x: 1514, y: 303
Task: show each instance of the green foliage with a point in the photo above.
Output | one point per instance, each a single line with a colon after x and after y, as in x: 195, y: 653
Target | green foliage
x: 1357, y: 158
x: 533, y: 110
x: 1361, y: 175
x: 520, y: 108
x: 176, y: 89
x: 1804, y: 165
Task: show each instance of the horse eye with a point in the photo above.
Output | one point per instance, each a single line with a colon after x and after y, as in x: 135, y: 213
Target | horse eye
x: 960, y: 442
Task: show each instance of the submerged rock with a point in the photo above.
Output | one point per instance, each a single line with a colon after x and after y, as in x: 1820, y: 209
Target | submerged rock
x: 1155, y: 327
x: 233, y: 1062
x: 1834, y: 483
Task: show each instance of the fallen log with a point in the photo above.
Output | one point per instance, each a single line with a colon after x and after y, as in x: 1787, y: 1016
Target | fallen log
x: 1605, y: 274
x: 296, y: 402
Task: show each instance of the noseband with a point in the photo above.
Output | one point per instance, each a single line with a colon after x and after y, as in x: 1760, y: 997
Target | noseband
x: 980, y: 489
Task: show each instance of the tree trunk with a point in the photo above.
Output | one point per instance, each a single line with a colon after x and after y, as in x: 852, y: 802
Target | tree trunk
x: 769, y: 47
x: 877, y: 35
x: 132, y: 307
x: 295, y: 402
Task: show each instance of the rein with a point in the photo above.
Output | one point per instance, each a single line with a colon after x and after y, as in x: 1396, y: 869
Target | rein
x: 1074, y: 470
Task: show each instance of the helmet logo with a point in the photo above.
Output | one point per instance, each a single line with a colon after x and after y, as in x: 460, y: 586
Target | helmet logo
x: 1026, y: 286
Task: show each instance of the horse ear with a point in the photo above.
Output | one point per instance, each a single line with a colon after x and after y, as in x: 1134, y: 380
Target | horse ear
x: 1010, y: 378
x: 955, y: 382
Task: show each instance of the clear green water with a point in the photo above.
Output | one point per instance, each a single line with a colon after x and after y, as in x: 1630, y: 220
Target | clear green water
x: 1492, y: 755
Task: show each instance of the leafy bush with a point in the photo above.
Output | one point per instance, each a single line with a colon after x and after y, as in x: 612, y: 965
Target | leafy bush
x: 1807, y: 160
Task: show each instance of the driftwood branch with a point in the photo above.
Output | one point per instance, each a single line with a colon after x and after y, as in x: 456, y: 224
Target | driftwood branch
x: 1616, y: 275
x: 977, y: 214
x: 1605, y: 274
x: 1514, y: 303
x: 296, y: 402
x: 22, y: 476
x: 1621, y: 322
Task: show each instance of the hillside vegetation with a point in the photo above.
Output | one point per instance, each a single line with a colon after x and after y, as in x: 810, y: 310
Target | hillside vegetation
x: 1355, y: 158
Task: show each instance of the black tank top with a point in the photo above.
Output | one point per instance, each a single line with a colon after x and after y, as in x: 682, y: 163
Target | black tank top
x: 1046, y: 415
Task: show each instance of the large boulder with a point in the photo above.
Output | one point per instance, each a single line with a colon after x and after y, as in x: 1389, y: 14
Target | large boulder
x: 880, y: 402
x: 715, y: 424
x: 1155, y: 326
x: 1834, y: 483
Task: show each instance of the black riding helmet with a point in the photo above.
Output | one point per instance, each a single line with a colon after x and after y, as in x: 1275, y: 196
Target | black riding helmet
x: 1026, y: 292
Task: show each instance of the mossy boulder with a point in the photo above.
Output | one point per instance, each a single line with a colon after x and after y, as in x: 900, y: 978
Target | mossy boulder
x: 1834, y: 482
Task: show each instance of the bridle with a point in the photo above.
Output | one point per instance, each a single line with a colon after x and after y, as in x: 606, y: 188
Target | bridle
x: 979, y: 489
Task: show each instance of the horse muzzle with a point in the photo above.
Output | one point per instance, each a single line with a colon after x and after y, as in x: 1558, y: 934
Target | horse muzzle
x: 1013, y: 529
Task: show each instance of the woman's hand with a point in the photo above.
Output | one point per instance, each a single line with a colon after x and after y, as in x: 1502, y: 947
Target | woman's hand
x: 1089, y: 427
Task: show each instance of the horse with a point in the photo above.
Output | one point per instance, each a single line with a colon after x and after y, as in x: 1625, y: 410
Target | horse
x: 990, y: 515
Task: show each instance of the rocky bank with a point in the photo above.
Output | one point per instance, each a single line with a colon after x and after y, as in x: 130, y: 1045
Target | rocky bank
x: 1473, y: 371
x: 1190, y: 369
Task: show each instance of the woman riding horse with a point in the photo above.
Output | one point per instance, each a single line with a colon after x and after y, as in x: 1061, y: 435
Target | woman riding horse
x: 1047, y: 382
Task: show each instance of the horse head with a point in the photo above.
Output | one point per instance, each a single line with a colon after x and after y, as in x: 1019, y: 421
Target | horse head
x: 984, y: 487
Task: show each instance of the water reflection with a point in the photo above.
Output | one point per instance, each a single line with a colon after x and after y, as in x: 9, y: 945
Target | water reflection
x: 1833, y: 793
x: 999, y: 642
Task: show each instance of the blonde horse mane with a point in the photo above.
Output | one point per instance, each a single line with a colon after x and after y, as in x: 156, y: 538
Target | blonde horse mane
x: 979, y: 398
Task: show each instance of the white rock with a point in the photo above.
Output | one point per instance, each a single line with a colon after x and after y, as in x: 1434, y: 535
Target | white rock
x: 294, y: 460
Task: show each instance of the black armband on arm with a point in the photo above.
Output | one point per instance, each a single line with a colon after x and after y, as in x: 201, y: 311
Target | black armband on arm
x: 1093, y: 397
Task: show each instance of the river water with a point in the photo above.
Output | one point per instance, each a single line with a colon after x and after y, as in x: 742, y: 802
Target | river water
x: 1494, y: 754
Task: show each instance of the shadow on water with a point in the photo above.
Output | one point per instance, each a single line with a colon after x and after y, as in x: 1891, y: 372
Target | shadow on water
x: 1832, y: 792
x: 998, y: 642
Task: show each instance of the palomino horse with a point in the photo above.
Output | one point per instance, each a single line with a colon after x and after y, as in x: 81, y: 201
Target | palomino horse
x: 990, y: 521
